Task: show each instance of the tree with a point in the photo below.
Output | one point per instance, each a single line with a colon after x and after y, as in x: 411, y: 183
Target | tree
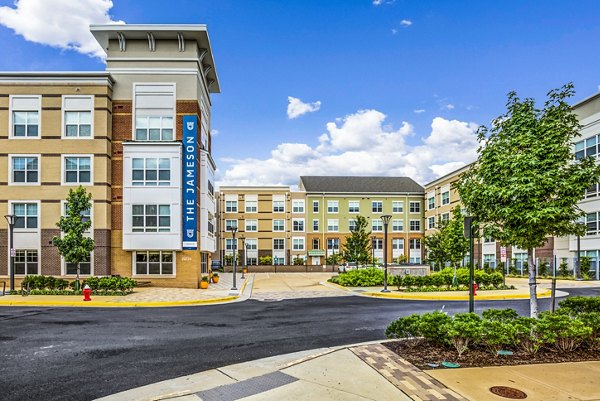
x: 526, y: 182
x: 436, y: 252
x: 73, y: 245
x: 358, y: 245
x: 454, y: 242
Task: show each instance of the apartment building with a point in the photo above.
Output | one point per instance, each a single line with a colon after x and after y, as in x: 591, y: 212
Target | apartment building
x: 332, y: 204
x: 136, y: 136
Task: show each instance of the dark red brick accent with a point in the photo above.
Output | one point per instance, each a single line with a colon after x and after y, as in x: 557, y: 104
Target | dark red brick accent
x: 50, y: 262
x: 102, y: 253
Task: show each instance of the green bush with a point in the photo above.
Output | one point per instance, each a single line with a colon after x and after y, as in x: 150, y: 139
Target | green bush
x: 592, y: 320
x: 562, y: 331
x: 404, y: 327
x: 48, y: 285
x: 298, y: 261
x: 563, y: 269
x: 581, y: 304
x: 528, y: 335
x: 433, y: 326
x: 409, y: 281
x: 265, y: 260
x: 497, y: 334
x: 462, y: 330
x: 361, y: 278
x: 500, y: 315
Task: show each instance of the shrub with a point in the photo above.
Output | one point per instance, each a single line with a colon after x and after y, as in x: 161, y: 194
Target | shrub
x: 437, y: 280
x: 404, y: 327
x: 265, y: 260
x: 565, y: 333
x: 528, y: 336
x: 497, y: 334
x: 581, y: 304
x: 592, y: 320
x: 500, y: 315
x: 409, y: 281
x: 433, y: 327
x: 361, y: 278
x: 563, y: 269
x: 464, y: 329
x: 298, y: 261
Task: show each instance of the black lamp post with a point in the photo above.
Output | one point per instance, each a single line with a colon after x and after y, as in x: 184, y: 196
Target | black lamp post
x: 10, y: 219
x: 233, y: 230
x: 373, y: 250
x: 468, y: 230
x: 244, y: 249
x: 386, y: 220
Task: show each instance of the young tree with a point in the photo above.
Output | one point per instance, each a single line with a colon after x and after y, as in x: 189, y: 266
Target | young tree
x: 73, y: 245
x: 436, y: 252
x: 526, y: 183
x: 358, y: 245
x: 454, y: 242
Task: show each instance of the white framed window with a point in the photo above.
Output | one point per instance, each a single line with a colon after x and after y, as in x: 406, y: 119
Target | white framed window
x: 78, y: 116
x: 333, y: 244
x: 415, y: 225
x: 229, y: 224
x: 297, y: 243
x: 230, y: 244
x: 490, y: 259
x: 377, y: 207
x: 446, y: 198
x: 398, y: 243
x: 24, y: 170
x: 377, y: 225
x: 445, y: 217
x: 298, y: 206
x: 431, y: 203
x: 397, y: 225
x: 160, y: 263
x: 315, y: 243
x: 77, y: 170
x: 151, y: 218
x: 591, y: 221
x: 415, y: 259
x: 86, y: 215
x: 26, y: 262
x: 298, y: 225
x: 252, y: 225
x: 431, y: 222
x: 24, y: 116
x: 278, y: 244
x: 251, y: 244
x: 278, y: 206
x: 353, y: 206
x: 351, y: 225
x: 85, y: 268
x: 315, y: 206
x: 489, y: 239
x: 415, y: 207
x: 251, y: 206
x: 231, y: 206
x: 333, y: 225
x: 151, y: 171
x: 278, y: 225
x: 397, y: 207
x: 377, y: 243
x: 333, y: 206
x: 154, y: 111
x: 415, y: 243
x: 315, y: 225
x: 26, y: 215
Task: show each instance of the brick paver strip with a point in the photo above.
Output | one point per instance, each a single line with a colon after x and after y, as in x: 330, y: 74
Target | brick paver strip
x: 411, y: 380
x: 246, y: 388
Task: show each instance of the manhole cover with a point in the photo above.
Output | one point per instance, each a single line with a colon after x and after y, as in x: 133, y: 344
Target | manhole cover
x: 508, y: 392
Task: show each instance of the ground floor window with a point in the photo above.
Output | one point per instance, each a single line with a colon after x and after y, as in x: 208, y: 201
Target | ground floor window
x: 204, y: 263
x: 85, y: 268
x: 26, y: 261
x: 490, y: 259
x: 154, y: 262
x: 252, y: 261
x: 278, y: 261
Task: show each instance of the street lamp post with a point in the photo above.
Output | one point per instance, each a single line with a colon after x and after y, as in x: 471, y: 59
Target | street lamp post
x: 244, y: 250
x: 373, y: 251
x: 233, y: 230
x: 468, y: 229
x: 386, y: 220
x: 10, y: 219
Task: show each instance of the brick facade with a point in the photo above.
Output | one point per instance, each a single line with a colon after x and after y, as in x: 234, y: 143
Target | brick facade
x: 102, y: 253
x: 50, y: 260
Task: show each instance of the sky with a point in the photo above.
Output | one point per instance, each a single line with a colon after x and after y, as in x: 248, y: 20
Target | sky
x: 340, y: 87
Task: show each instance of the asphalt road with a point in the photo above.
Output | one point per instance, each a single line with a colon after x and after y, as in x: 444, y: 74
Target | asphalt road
x: 82, y: 354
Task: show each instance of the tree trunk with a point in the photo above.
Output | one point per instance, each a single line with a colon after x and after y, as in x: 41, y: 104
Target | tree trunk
x: 533, y: 304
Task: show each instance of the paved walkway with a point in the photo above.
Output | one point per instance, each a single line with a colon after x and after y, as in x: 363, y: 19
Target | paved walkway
x: 277, y: 286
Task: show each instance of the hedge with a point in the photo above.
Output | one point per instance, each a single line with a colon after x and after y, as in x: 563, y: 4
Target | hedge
x: 48, y: 285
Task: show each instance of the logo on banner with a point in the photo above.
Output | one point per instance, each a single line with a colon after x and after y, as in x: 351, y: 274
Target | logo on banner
x: 190, y: 233
x: 190, y: 125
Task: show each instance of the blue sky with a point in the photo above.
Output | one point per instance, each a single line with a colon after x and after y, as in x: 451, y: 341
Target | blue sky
x: 402, y: 85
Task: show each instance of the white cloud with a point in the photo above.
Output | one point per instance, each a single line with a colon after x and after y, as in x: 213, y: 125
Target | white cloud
x: 406, y: 23
x: 214, y: 132
x: 362, y: 144
x: 59, y: 23
x: 419, y: 111
x: 394, y: 31
x: 448, y: 106
x: 377, y: 2
x: 296, y: 107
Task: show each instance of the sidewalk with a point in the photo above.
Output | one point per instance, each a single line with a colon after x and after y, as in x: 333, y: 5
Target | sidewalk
x: 368, y: 371
x: 146, y: 296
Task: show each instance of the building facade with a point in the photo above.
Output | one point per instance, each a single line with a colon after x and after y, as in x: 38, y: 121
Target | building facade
x: 136, y: 136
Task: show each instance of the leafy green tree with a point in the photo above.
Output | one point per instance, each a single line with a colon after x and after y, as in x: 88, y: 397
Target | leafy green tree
x: 73, y: 245
x: 526, y: 183
x: 358, y: 244
x: 455, y: 244
x: 436, y: 252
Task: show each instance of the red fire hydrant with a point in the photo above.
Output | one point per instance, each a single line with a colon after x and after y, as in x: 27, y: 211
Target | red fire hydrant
x: 475, y: 287
x: 87, y: 291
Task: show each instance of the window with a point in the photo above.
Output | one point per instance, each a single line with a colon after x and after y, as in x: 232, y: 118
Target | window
x: 415, y: 243
x: 352, y: 225
x: 353, y: 207
x: 77, y: 116
x: 78, y: 170
x: 150, y: 172
x: 315, y: 225
x: 333, y: 225
x: 431, y: 222
x: 377, y: 207
x: 298, y: 244
x: 590, y: 146
x: 154, y: 262
x: 377, y: 225
x: 445, y: 217
x: 415, y: 225
x: 154, y: 112
x: 229, y: 224
x: 431, y: 203
x: 315, y: 206
x: 445, y: 198
x: 231, y: 206
x: 580, y: 150
x: 24, y: 170
x: 377, y: 243
x: 397, y: 225
x: 490, y: 259
x: 298, y: 206
x: 279, y: 244
x: 86, y: 215
x: 251, y: 206
x: 278, y: 206
x: 415, y: 207
x: 315, y: 243
x: 415, y: 259
x: 26, y: 215
x: 298, y: 225
x: 85, y: 267
x: 25, y: 116
x: 278, y: 225
x: 333, y: 244
x: 26, y: 261
x: 332, y: 206
x: 489, y: 239
x: 211, y: 188
x: 397, y: 207
x: 398, y: 243
x: 251, y: 225
x: 154, y: 128
x: 591, y: 222
x: 251, y: 244
x: 230, y: 244
x: 151, y: 218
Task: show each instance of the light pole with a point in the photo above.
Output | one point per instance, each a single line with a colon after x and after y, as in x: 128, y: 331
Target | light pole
x: 386, y: 220
x: 468, y: 230
x: 233, y: 230
x: 373, y: 251
x: 10, y: 219
x: 244, y: 249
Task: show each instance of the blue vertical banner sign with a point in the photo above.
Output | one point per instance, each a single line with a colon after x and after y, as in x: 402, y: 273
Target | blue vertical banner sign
x: 190, y: 182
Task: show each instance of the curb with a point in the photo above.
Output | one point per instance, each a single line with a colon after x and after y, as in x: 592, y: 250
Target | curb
x: 425, y: 297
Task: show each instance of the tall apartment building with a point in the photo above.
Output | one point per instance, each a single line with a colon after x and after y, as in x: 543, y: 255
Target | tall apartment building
x: 332, y: 204
x: 136, y: 136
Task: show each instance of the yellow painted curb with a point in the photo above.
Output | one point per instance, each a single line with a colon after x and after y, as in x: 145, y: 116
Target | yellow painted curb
x: 334, y: 285
x: 427, y: 297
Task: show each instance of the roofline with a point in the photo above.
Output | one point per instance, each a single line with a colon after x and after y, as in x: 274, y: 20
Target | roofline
x: 53, y: 76
x: 586, y: 100
x: 361, y: 193
x: 257, y: 187
x: 449, y: 174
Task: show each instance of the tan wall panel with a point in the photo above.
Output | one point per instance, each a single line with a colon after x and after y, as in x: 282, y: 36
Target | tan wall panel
x: 55, y: 146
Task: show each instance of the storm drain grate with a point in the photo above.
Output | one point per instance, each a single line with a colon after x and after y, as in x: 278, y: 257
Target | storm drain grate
x: 508, y: 392
x: 246, y: 388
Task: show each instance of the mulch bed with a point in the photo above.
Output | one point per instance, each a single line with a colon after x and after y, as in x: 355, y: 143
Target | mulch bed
x: 424, y: 353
